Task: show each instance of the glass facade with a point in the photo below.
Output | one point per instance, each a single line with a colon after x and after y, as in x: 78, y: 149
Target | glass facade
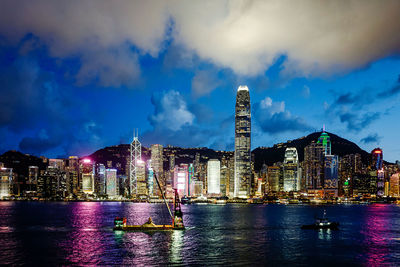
x: 242, y: 143
x: 213, y: 176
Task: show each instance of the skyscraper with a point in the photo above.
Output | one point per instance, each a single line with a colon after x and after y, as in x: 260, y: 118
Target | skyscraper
x: 213, y: 176
x: 313, y: 166
x: 325, y: 141
x: 377, y: 165
x: 111, y: 181
x: 181, y: 179
x: 291, y: 179
x: 157, y: 165
x: 86, y: 170
x: 6, y: 175
x: 242, y: 143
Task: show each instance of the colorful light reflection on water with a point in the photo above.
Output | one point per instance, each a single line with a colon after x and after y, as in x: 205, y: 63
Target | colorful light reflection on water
x: 81, y: 234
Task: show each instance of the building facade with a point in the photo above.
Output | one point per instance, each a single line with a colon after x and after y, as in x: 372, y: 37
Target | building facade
x: 242, y: 143
x: 213, y: 176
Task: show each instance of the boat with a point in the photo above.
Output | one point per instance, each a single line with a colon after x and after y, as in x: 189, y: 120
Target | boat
x: 322, y: 223
x: 185, y: 200
x: 120, y: 224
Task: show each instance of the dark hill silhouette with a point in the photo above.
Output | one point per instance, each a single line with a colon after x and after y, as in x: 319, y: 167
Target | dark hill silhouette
x: 340, y: 147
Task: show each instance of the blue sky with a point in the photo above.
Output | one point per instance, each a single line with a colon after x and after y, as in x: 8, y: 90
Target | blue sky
x: 78, y: 76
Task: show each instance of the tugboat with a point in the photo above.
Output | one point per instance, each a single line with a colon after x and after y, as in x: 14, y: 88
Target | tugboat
x: 177, y: 218
x: 322, y: 223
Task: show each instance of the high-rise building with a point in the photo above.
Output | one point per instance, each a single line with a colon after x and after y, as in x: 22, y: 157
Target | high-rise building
x: 291, y: 174
x: 101, y: 180
x: 273, y: 177
x: 33, y: 174
x: 242, y: 143
x: 377, y: 165
x: 331, y: 166
x: 111, y: 182
x: 394, y: 185
x: 6, y: 175
x: 313, y: 166
x: 181, y: 179
x: 86, y: 171
x: 74, y: 185
x: 213, y: 176
x: 141, y: 179
x: 157, y: 165
x: 325, y: 141
x: 52, y: 183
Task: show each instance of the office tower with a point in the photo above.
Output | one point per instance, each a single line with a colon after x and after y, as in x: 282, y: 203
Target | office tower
x: 181, y: 180
x: 75, y: 184
x: 141, y: 185
x: 394, y: 185
x: 157, y: 165
x: 196, y: 188
x: 291, y: 179
x: 242, y: 143
x: 86, y: 171
x: 6, y: 176
x: 377, y: 165
x: 348, y: 166
x: 224, y: 180
x: 313, y: 166
x: 190, y: 176
x: 150, y: 181
x: 213, y: 176
x: 101, y: 180
x: 33, y: 174
x: 111, y: 183
x: 331, y: 167
x: 273, y: 176
x: 135, y: 157
x: 325, y: 141
x: 52, y: 183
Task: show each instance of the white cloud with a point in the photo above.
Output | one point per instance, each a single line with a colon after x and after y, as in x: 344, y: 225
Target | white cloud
x: 272, y: 107
x: 171, y: 111
x: 318, y: 37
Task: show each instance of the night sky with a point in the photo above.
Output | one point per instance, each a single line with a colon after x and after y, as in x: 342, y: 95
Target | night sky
x: 76, y: 76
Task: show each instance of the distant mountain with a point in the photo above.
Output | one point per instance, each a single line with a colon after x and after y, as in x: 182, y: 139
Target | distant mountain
x: 271, y: 155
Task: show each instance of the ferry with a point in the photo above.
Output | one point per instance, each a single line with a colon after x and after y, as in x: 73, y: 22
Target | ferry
x: 322, y: 223
x: 120, y: 224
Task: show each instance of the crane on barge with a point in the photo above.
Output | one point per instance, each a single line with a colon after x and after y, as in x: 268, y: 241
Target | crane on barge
x: 177, y: 217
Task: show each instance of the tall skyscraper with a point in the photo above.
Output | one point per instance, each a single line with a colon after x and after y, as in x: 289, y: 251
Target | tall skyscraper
x: 325, y: 141
x: 242, y: 143
x: 157, y: 165
x: 111, y: 181
x: 377, y: 165
x: 213, y: 176
x: 313, y: 165
x: 331, y: 167
x: 86, y: 170
x: 181, y: 179
x: 141, y: 183
x: 291, y: 179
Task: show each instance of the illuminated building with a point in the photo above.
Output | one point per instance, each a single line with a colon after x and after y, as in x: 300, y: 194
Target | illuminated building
x: 331, y: 165
x: 377, y: 165
x: 101, y: 179
x: 224, y: 179
x: 111, y: 183
x: 191, y: 176
x: 348, y: 166
x: 33, y: 174
x: 52, y: 184
x: 150, y: 180
x: 135, y: 157
x: 181, y: 179
x: 157, y: 165
x: 242, y: 143
x: 141, y: 185
x: 86, y: 171
x: 325, y: 141
x: 291, y: 172
x: 213, y: 176
x: 74, y: 183
x: 196, y: 188
x: 274, y: 177
x: 57, y: 163
x: 6, y: 175
x: 394, y: 185
x: 313, y: 166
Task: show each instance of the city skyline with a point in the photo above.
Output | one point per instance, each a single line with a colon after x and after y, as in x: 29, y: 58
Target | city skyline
x: 73, y: 84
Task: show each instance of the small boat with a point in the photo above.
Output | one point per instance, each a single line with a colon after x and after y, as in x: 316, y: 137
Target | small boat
x: 322, y: 223
x: 185, y: 200
x: 177, y: 218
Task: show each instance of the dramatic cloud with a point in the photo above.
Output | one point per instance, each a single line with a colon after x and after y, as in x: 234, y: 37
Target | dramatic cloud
x: 272, y: 118
x: 391, y: 91
x: 171, y: 111
x: 99, y: 32
x: 316, y: 37
x: 371, y: 138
